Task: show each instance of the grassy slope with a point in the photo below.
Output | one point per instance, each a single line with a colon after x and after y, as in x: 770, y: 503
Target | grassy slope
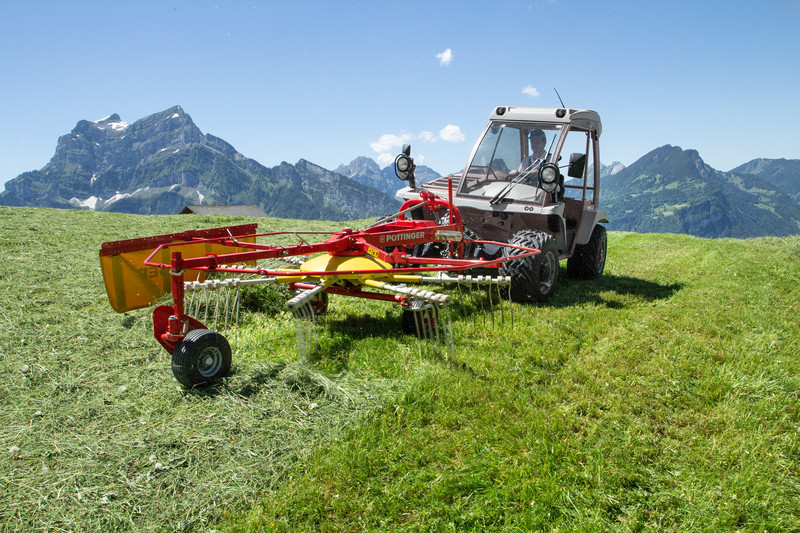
x: 664, y: 397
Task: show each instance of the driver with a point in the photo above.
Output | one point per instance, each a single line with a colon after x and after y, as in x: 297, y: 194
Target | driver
x: 538, y: 140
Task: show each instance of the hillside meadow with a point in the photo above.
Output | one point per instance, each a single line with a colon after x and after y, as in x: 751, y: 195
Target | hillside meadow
x: 663, y: 397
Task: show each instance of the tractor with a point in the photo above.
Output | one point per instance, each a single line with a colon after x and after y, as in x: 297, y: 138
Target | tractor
x: 513, y: 190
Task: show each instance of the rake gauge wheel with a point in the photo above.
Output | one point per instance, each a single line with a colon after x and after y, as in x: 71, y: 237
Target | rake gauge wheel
x: 320, y: 303
x: 420, y: 319
x: 203, y: 357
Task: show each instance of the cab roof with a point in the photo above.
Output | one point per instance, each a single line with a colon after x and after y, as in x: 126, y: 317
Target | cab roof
x: 583, y: 118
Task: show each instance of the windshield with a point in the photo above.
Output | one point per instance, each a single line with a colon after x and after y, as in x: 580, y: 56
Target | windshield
x: 510, y: 152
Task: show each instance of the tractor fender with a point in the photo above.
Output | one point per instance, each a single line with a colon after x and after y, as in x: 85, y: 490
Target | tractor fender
x: 591, y: 218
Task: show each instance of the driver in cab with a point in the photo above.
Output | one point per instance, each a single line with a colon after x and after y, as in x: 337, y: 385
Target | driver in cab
x: 538, y: 140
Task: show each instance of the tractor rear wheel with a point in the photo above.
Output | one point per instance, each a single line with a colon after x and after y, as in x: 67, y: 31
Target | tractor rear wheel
x: 202, y: 357
x: 533, y: 278
x: 589, y: 259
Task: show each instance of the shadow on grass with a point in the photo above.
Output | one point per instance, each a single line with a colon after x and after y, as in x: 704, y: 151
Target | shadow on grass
x: 260, y: 379
x: 348, y: 329
x: 616, y: 292
x: 363, y: 325
x: 257, y: 381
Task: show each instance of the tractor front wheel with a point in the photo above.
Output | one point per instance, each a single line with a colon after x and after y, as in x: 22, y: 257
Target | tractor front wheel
x: 202, y: 357
x: 533, y: 278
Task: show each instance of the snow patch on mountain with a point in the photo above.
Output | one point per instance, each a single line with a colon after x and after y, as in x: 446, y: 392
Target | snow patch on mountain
x: 89, y: 203
x: 614, y: 167
x: 113, y: 122
x: 96, y: 203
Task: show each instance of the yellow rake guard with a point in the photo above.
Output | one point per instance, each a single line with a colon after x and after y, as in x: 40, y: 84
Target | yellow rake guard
x: 132, y: 285
x: 347, y: 264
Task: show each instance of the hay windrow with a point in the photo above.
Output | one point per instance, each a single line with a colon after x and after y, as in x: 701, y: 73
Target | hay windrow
x: 97, y: 435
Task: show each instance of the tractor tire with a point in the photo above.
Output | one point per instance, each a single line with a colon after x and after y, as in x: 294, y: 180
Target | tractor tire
x: 533, y: 278
x: 202, y: 357
x: 589, y: 259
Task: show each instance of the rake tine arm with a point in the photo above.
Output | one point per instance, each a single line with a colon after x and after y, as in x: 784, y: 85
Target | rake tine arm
x: 428, y: 296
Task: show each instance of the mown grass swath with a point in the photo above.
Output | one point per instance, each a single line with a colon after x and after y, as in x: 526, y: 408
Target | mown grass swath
x: 663, y: 397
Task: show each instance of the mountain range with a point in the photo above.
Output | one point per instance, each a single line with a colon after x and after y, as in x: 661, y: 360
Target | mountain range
x: 671, y: 190
x: 367, y: 172
x: 163, y: 162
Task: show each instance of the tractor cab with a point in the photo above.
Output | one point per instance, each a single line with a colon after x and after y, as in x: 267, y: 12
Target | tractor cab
x: 531, y: 169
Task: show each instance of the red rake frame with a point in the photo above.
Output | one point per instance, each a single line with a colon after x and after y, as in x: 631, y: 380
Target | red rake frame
x: 344, y: 263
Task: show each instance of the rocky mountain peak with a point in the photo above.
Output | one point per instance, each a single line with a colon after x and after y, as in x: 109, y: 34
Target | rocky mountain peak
x: 360, y: 166
x: 109, y: 121
x: 610, y: 170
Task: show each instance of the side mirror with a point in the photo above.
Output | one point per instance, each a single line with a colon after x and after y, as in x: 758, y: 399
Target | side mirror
x: 577, y: 163
x: 404, y: 166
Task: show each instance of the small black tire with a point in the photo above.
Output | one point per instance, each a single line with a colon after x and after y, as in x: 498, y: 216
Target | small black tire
x: 202, y: 357
x: 315, y: 307
x: 533, y: 278
x: 589, y: 259
x: 320, y: 303
x: 420, y: 319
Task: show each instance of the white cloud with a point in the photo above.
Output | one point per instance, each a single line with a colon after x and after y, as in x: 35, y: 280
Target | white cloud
x: 531, y: 91
x: 388, y: 145
x: 445, y: 57
x: 427, y: 137
x: 451, y: 134
x: 385, y: 158
x: 389, y: 142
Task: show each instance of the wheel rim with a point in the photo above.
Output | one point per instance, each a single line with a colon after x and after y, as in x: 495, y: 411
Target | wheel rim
x: 601, y: 257
x: 547, y: 273
x: 319, y: 303
x: 210, y: 361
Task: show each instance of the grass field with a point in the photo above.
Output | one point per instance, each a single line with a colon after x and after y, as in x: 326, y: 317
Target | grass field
x: 662, y: 398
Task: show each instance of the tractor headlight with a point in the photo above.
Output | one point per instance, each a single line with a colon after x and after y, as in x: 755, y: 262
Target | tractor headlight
x: 403, y: 163
x: 548, y: 177
x: 404, y: 166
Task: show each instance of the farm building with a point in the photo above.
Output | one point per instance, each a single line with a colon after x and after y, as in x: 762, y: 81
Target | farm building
x: 232, y: 210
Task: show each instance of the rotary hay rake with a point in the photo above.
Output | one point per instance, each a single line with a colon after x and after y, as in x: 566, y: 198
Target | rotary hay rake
x: 204, y: 270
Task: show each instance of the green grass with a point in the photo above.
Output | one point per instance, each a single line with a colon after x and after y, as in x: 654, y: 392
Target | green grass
x: 662, y: 398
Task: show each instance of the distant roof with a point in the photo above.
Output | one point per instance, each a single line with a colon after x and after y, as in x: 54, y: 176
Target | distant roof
x: 232, y: 210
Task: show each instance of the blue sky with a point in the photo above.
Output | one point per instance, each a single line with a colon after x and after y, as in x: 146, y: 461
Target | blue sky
x: 330, y: 81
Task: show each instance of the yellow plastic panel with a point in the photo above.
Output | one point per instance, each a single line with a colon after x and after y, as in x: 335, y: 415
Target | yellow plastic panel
x: 132, y: 285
